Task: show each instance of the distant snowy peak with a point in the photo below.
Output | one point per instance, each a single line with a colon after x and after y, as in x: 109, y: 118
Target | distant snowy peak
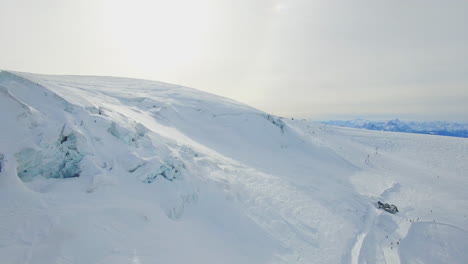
x: 433, y: 128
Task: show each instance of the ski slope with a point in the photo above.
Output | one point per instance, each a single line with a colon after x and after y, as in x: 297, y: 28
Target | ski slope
x: 116, y: 170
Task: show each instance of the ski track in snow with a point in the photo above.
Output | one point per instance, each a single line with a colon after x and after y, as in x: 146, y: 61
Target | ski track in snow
x: 165, y: 169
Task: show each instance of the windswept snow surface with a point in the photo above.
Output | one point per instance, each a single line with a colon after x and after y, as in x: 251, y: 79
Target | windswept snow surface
x: 115, y: 170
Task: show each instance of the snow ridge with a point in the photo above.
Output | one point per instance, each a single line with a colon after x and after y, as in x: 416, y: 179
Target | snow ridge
x: 116, y: 170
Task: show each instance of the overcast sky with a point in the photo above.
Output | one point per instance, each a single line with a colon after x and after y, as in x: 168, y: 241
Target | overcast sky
x: 305, y: 58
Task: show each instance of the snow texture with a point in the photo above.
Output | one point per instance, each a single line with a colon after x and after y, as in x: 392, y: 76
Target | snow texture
x: 116, y: 170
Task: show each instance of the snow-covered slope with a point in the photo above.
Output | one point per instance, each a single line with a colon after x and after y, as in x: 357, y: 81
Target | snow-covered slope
x: 115, y: 170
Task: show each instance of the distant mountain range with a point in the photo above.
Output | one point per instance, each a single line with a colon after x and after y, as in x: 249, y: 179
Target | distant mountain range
x: 433, y: 128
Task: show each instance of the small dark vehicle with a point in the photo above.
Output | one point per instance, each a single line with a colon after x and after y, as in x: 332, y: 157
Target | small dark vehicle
x: 391, y: 208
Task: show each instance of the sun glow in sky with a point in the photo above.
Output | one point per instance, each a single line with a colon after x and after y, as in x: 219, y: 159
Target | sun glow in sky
x: 302, y: 58
x: 279, y: 7
x: 172, y: 32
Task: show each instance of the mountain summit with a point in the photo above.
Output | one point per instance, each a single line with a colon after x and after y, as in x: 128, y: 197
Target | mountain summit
x: 117, y: 170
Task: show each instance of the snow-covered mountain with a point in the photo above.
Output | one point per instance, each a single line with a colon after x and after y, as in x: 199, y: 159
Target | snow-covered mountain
x: 115, y: 170
x: 431, y: 128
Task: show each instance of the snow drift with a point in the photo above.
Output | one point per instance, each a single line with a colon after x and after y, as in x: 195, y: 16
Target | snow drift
x: 116, y: 170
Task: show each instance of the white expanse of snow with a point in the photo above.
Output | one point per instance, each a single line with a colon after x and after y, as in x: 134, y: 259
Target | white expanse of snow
x: 169, y: 174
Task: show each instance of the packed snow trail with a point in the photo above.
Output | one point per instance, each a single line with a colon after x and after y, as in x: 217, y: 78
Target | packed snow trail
x: 116, y: 170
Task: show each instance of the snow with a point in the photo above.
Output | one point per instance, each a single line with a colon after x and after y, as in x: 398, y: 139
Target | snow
x: 116, y: 170
x: 434, y: 243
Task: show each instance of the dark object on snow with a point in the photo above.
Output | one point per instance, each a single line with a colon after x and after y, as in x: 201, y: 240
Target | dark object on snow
x: 391, y: 208
x: 1, y: 161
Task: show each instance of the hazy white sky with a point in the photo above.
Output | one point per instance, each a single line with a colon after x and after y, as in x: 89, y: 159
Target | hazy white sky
x: 304, y: 58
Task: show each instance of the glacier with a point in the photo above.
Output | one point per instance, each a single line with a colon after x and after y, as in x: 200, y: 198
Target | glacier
x: 431, y: 128
x: 116, y: 170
